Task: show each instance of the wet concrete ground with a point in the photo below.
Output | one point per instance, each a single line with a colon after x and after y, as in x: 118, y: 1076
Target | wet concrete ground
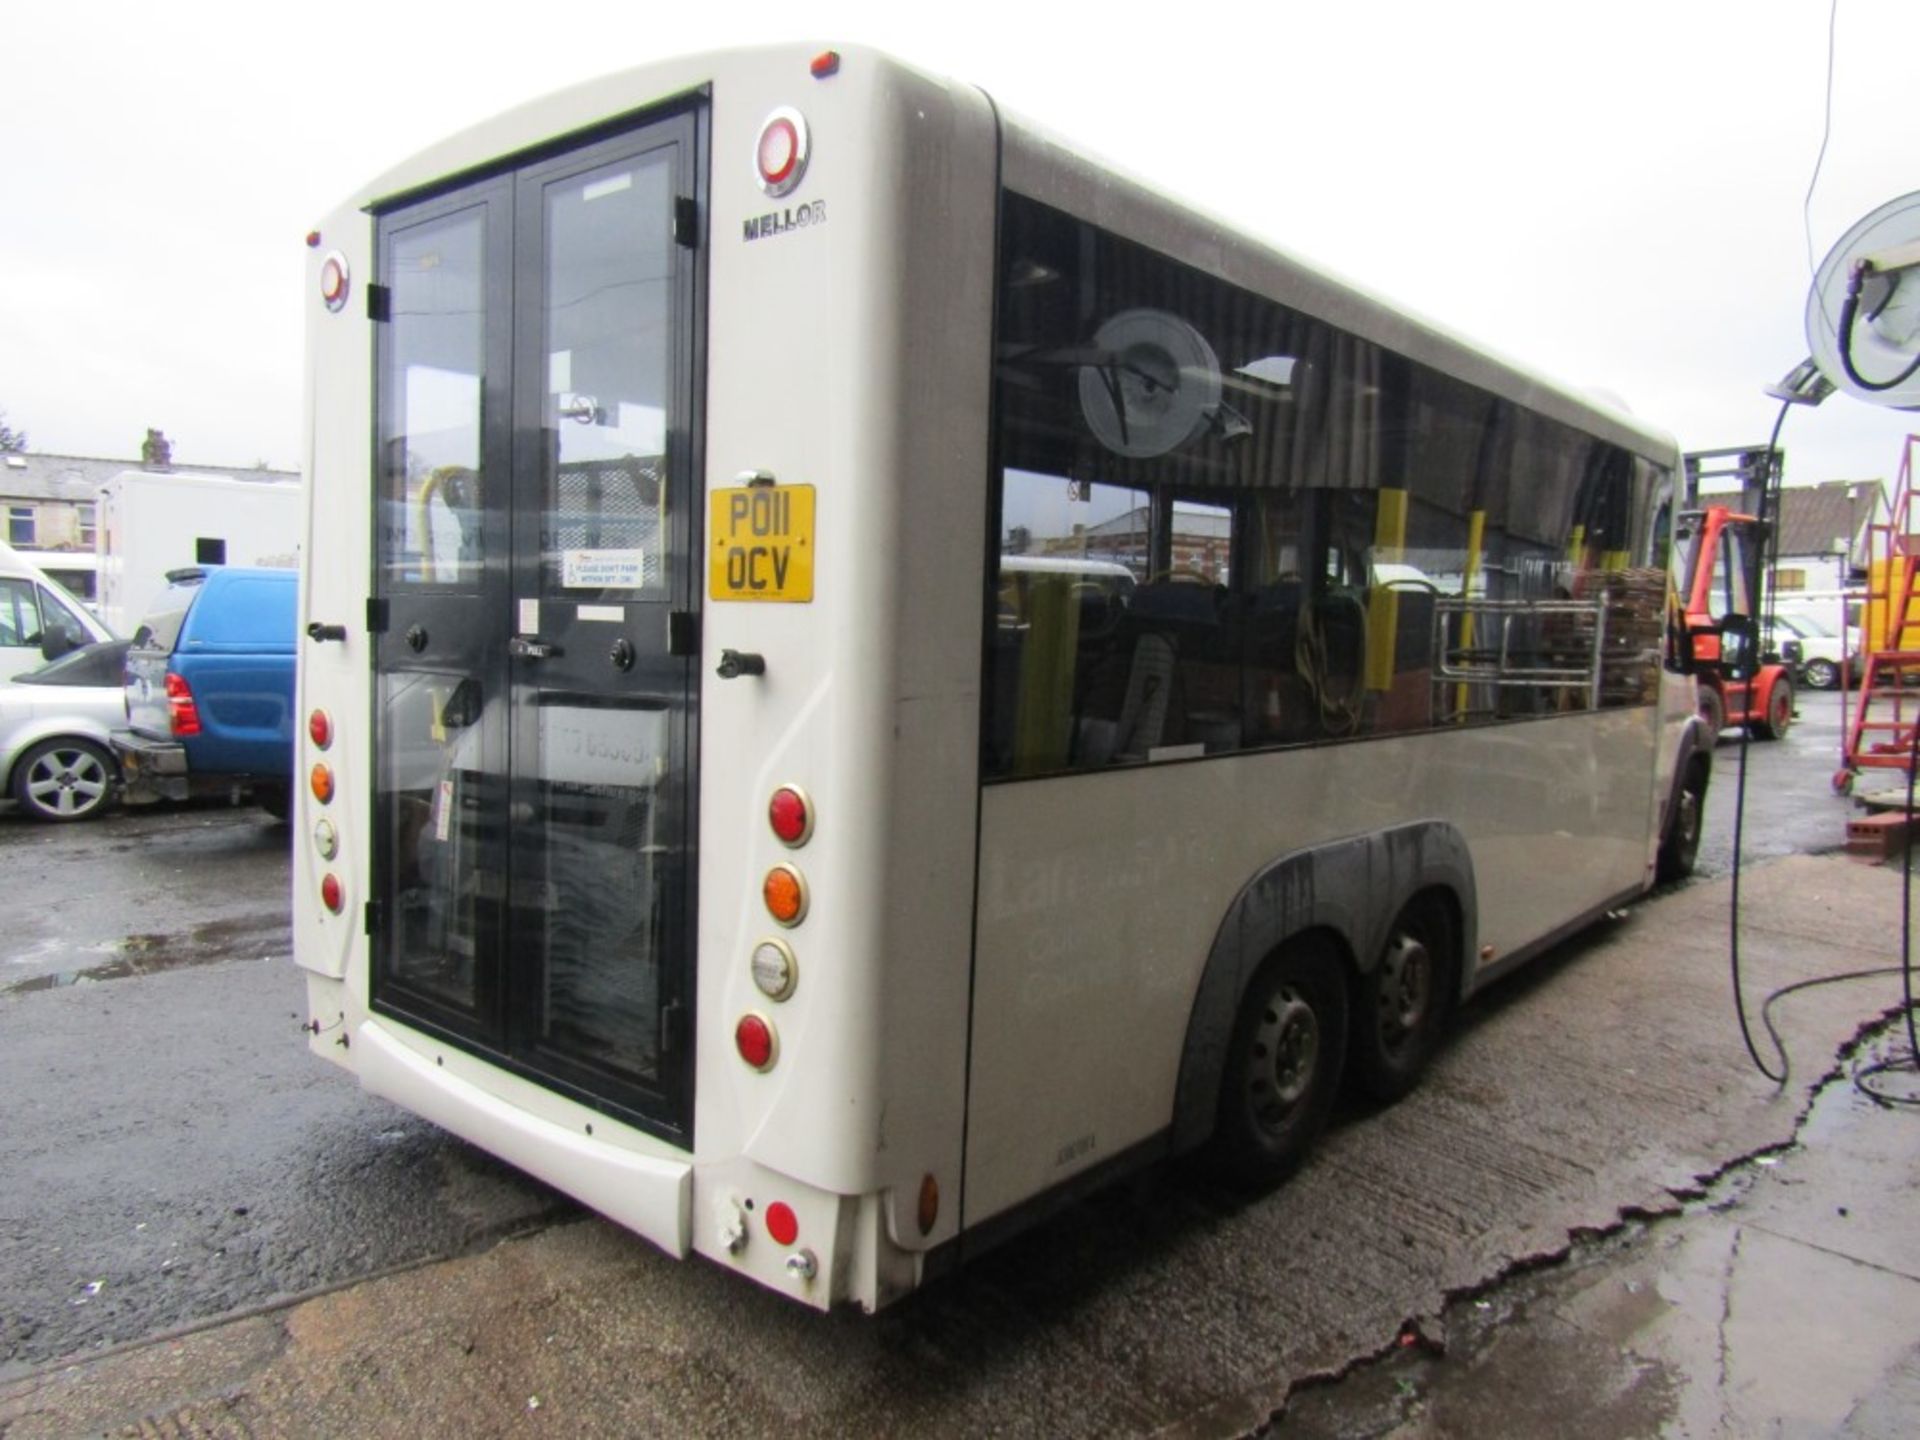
x: 1784, y: 1300
x: 1604, y: 1083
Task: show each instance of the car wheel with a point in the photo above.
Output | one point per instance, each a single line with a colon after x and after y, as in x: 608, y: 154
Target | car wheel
x: 1284, y: 1064
x: 1821, y: 675
x: 276, y: 800
x: 1779, y: 712
x: 1680, y: 846
x: 65, y: 779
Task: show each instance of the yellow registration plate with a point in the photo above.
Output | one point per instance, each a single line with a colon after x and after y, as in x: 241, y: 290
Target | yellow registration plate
x: 760, y: 543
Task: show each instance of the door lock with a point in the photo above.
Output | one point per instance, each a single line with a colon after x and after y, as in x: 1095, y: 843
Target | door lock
x: 532, y: 647
x: 735, y: 663
x: 416, y: 638
x: 621, y: 656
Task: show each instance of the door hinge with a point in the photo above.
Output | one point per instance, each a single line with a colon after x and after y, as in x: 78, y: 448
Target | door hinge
x: 670, y: 1014
x: 370, y: 917
x: 686, y: 222
x: 379, y: 303
x: 376, y: 616
x: 683, y: 633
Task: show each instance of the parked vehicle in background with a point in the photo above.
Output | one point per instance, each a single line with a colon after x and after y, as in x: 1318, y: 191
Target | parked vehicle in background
x: 1817, y: 654
x: 55, y: 725
x: 153, y: 523
x: 39, y: 619
x: 209, y: 689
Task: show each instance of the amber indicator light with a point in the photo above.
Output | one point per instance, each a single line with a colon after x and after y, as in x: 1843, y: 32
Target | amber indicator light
x: 786, y: 895
x: 321, y: 779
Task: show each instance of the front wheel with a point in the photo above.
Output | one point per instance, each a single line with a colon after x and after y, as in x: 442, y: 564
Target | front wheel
x: 1773, y: 726
x: 64, y: 779
x: 1284, y: 1064
x: 1680, y: 846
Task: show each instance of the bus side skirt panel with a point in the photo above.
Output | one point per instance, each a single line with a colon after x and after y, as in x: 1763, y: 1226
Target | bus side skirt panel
x: 1353, y: 888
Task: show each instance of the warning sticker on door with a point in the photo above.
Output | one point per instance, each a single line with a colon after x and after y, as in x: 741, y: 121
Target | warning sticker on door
x: 603, y: 569
x: 760, y: 543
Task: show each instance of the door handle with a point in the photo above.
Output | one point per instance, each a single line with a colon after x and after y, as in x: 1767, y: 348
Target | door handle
x: 532, y: 647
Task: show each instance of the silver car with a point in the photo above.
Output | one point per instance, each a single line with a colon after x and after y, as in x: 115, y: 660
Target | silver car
x: 54, y: 723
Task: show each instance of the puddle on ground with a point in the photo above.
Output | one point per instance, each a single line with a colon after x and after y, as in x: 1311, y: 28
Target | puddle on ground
x: 1777, y: 1291
x: 242, y: 938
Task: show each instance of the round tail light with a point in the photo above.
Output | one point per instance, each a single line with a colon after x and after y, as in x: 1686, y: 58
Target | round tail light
x: 774, y: 969
x: 756, y: 1042
x: 331, y: 894
x: 321, y: 779
x: 790, y: 815
x: 782, y: 1224
x: 320, y: 729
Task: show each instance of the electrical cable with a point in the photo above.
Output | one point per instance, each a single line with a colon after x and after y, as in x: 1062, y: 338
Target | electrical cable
x: 1863, y: 1076
x: 1750, y: 662
x: 1826, y: 133
x: 1849, y: 312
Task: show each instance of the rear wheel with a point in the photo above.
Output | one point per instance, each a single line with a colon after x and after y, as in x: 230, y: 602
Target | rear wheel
x: 64, y: 779
x: 1284, y: 1063
x: 1402, y: 1006
x: 276, y: 800
x: 1821, y: 675
x: 1773, y: 725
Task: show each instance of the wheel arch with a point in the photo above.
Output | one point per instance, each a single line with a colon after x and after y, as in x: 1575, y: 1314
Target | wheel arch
x: 1351, y: 890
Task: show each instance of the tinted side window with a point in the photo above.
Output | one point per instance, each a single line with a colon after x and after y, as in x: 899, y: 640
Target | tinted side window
x: 59, y: 620
x: 19, y: 617
x: 161, y: 629
x: 1325, y: 539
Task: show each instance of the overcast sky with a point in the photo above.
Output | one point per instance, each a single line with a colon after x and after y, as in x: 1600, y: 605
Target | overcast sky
x: 1611, y: 193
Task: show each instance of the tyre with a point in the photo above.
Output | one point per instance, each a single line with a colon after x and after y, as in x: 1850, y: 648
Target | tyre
x: 1284, y: 1063
x: 1820, y: 675
x: 1773, y: 726
x: 1680, y: 846
x: 65, y: 778
x: 1400, y: 1010
x: 276, y: 800
x: 1713, y: 714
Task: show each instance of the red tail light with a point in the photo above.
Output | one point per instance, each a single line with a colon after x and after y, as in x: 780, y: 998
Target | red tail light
x: 182, y: 713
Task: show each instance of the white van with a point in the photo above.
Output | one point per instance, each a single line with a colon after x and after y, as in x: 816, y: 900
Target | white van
x: 39, y: 619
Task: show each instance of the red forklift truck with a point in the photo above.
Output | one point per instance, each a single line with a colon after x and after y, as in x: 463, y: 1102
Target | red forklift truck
x: 1738, y: 684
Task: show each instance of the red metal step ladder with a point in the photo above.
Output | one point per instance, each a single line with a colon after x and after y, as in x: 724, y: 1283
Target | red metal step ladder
x: 1887, y: 708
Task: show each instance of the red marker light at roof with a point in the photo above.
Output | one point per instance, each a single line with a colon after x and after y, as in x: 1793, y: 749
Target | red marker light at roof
x: 780, y: 154
x: 333, y: 280
x: 826, y: 63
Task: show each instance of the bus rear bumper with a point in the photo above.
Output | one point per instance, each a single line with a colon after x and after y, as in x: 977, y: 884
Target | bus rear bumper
x: 651, y: 1196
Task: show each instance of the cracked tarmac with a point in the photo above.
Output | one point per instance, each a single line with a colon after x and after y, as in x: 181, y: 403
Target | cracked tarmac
x: 1602, y: 1088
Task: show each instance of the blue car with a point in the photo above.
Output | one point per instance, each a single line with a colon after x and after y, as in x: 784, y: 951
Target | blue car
x: 209, y: 689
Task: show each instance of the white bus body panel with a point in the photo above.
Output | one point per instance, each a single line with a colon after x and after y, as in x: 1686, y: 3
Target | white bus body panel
x: 151, y: 522
x: 816, y: 373
x: 1094, y: 933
